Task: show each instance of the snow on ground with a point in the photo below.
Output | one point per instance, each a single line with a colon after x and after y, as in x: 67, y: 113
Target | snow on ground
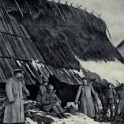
x: 73, y: 119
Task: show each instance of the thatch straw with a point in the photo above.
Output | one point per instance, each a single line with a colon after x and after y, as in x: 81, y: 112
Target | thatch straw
x: 61, y: 32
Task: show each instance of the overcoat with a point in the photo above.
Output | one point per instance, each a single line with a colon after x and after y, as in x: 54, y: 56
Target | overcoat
x: 84, y: 96
x: 120, y: 105
x: 42, y: 90
x: 14, y: 112
x: 49, y: 100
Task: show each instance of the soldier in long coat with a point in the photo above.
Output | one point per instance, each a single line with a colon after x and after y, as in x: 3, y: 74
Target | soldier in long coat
x: 120, y: 101
x: 14, y: 109
x: 84, y: 96
x: 109, y: 100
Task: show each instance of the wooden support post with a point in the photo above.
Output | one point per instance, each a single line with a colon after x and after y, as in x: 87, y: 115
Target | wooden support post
x: 19, y: 8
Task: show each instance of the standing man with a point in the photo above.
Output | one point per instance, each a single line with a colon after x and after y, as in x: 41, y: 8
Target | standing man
x: 120, y: 102
x: 14, y: 109
x: 85, y: 100
x: 109, y: 100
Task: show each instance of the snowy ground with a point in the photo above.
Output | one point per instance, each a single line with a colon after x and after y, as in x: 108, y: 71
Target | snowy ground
x: 73, y: 119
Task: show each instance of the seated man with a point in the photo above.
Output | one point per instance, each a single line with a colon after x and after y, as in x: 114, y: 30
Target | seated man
x: 42, y: 89
x: 50, y: 101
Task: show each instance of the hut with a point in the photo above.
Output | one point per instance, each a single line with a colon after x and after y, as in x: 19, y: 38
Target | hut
x: 50, y: 39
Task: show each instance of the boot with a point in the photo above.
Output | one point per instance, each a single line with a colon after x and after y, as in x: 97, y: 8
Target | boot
x: 60, y: 116
x: 65, y: 115
x: 111, y: 114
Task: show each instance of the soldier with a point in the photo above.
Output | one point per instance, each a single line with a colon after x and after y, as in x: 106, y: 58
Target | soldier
x: 42, y: 89
x: 51, y: 102
x: 14, y: 109
x: 84, y: 96
x: 109, y: 100
x: 120, y: 102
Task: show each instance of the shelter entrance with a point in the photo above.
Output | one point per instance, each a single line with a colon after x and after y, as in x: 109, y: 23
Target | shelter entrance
x: 63, y: 90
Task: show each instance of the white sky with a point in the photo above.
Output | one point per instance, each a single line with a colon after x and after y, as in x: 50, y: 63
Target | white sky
x: 111, y: 71
x: 112, y: 13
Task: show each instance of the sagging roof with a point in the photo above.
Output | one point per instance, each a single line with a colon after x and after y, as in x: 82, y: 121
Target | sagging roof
x: 14, y: 40
x: 52, y: 33
x: 120, y: 44
x: 33, y: 73
x: 61, y: 32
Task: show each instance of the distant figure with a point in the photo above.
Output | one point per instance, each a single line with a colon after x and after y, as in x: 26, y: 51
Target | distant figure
x: 14, y: 109
x: 120, y: 102
x: 85, y: 99
x: 109, y: 100
x: 51, y: 102
x: 42, y: 89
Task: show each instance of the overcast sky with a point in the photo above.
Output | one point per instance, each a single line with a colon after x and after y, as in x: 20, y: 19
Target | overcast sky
x: 112, y: 13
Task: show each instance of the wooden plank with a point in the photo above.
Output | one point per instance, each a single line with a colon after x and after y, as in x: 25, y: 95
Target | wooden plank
x: 3, y: 22
x: 6, y: 21
x: 13, y: 64
x: 0, y: 53
x: 2, y: 29
x: 7, y: 70
x: 14, y: 47
x: 31, y: 47
x: 18, y: 47
x: 28, y: 8
x: 22, y: 41
x: 17, y: 28
x: 2, y: 76
x: 14, y: 28
x: 3, y: 48
x: 28, y: 78
x: 28, y: 75
x: 23, y: 48
x: 9, y: 66
x: 18, y: 6
x: 8, y: 45
x: 4, y: 68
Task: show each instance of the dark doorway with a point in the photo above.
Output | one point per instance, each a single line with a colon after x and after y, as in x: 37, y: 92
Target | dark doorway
x: 33, y: 89
x: 64, y: 91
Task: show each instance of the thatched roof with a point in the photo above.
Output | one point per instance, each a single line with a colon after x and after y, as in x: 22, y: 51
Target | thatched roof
x: 62, y: 32
x: 52, y: 33
x: 120, y: 44
x: 120, y: 48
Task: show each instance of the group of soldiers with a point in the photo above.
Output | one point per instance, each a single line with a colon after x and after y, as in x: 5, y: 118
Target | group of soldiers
x: 113, y: 100
x: 86, y: 98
